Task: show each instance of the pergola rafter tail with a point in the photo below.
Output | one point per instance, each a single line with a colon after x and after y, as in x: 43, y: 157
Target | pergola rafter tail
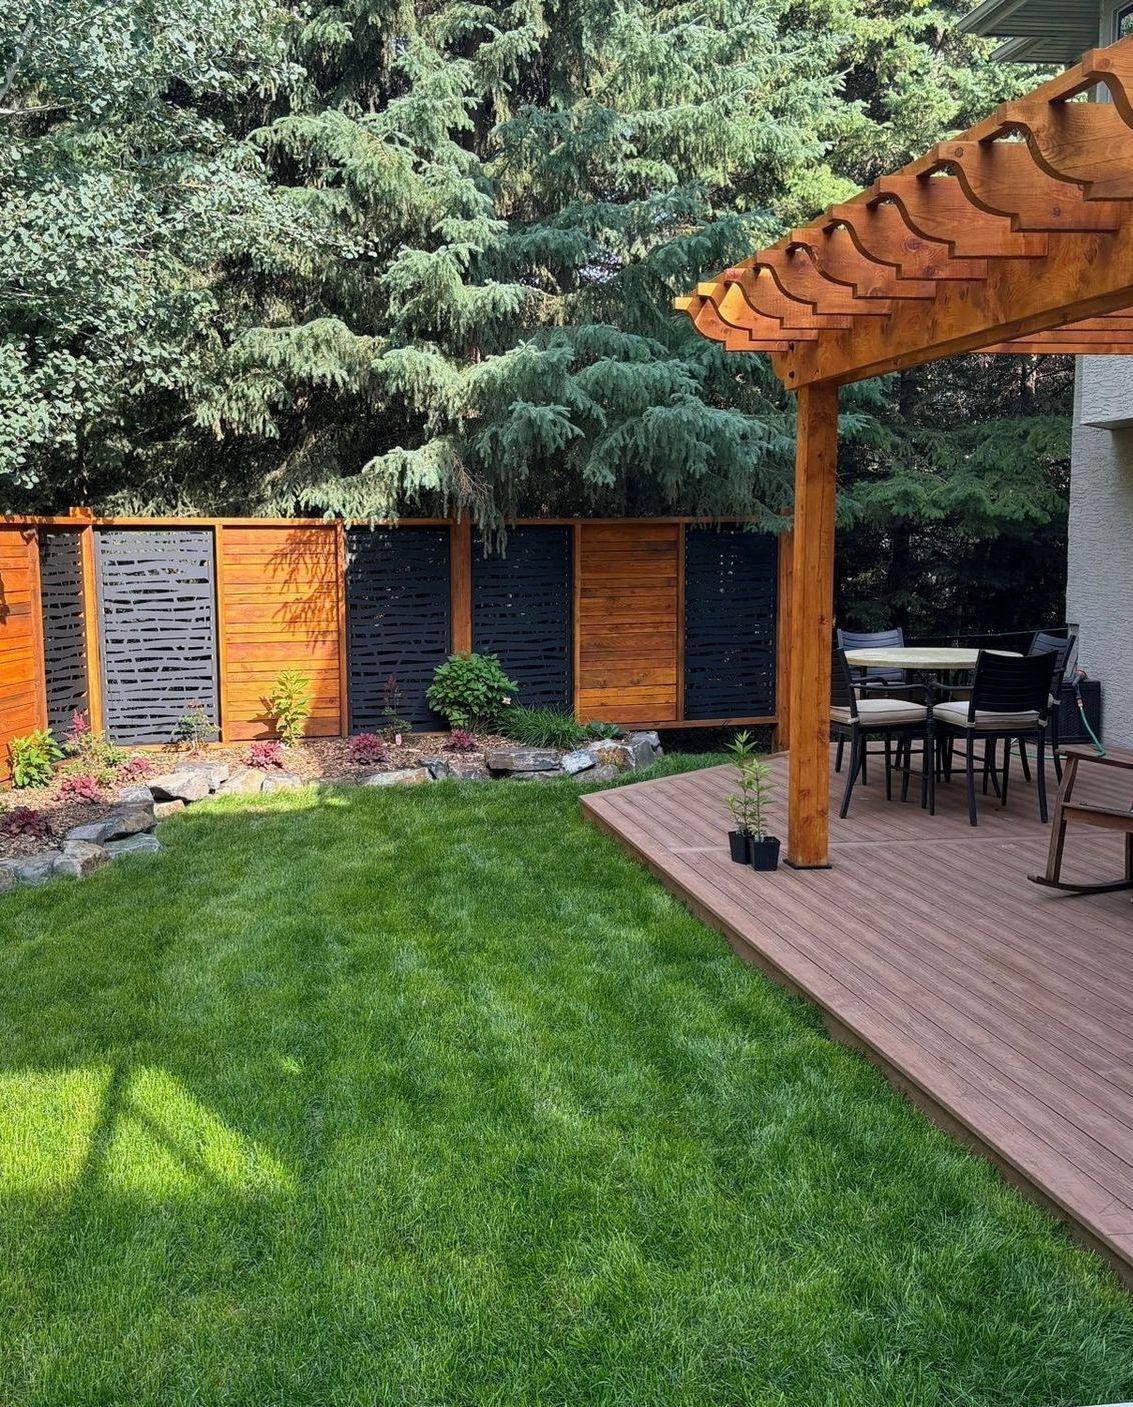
x: 1015, y: 236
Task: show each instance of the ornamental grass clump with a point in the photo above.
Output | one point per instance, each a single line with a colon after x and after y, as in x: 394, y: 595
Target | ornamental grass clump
x: 471, y: 691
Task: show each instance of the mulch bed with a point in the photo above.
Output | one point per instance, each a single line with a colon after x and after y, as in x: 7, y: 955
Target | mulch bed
x: 315, y: 760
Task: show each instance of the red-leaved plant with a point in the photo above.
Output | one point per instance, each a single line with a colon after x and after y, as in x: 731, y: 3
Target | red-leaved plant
x: 460, y: 740
x: 25, y: 820
x: 135, y: 769
x: 81, y: 786
x: 367, y: 750
x: 265, y: 756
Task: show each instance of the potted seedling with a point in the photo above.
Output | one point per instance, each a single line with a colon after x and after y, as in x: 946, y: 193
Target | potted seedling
x: 749, y: 843
x: 741, y: 801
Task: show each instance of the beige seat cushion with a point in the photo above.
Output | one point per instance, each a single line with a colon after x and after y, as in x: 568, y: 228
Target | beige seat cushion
x: 957, y: 715
x: 882, y: 713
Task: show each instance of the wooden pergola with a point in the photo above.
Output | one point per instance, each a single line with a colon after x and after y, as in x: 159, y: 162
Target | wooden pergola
x: 1015, y: 237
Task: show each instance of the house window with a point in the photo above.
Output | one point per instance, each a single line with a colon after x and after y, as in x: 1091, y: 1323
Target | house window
x: 1123, y: 22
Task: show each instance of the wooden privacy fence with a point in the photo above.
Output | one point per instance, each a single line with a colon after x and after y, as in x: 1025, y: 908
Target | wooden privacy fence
x: 650, y: 622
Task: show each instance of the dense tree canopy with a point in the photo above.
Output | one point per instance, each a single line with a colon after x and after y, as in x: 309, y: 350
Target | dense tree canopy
x: 377, y: 256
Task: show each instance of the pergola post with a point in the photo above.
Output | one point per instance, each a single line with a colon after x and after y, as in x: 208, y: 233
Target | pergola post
x: 812, y: 619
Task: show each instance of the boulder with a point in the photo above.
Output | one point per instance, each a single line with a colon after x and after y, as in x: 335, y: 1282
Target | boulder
x: 133, y: 845
x: 8, y: 878
x: 280, y: 781
x: 215, y: 773
x: 242, y: 780
x: 613, y: 753
x: 35, y: 870
x: 161, y: 809
x: 135, y: 796
x: 439, y: 767
x: 116, y: 826
x: 605, y: 773
x: 469, y: 770
x: 79, y: 858
x: 522, y: 759
x: 186, y: 784
x: 403, y: 777
x: 578, y: 761
x: 544, y: 776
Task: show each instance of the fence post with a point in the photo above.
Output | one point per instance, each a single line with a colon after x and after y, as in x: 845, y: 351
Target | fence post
x: 343, y: 659
x: 461, y: 568
x: 89, y: 570
x: 221, y: 640
x: 786, y: 582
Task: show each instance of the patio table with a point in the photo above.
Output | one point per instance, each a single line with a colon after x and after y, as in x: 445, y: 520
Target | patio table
x: 924, y: 659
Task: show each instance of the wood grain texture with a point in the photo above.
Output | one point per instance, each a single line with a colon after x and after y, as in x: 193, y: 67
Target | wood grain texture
x: 279, y: 608
x: 23, y: 702
x: 1003, y: 1009
x: 627, y: 608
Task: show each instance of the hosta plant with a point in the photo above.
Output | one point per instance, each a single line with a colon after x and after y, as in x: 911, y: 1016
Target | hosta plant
x: 33, y: 758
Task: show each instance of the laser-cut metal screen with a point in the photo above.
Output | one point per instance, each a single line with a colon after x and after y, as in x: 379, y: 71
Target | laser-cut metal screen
x: 64, y: 633
x: 521, y: 611
x: 157, y: 626
x: 731, y: 581
x: 398, y: 611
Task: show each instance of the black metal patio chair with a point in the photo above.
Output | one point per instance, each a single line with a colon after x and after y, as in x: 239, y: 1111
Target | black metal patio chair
x: 1010, y: 699
x: 874, y: 678
x: 854, y: 719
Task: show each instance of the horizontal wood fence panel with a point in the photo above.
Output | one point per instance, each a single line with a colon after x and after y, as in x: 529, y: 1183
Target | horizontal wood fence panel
x: 521, y: 611
x: 157, y: 626
x: 22, y: 701
x: 279, y: 604
x: 628, y: 576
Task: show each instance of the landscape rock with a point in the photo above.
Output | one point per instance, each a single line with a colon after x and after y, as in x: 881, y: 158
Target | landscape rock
x: 469, y: 770
x: 133, y: 845
x: 281, y: 781
x: 116, y: 826
x: 135, y: 796
x: 404, y: 777
x: 187, y: 784
x: 161, y: 809
x: 242, y: 780
x: 522, y: 759
x: 605, y: 773
x: 439, y: 767
x: 82, y: 856
x: 544, y: 776
x: 35, y: 869
x: 215, y: 773
x: 579, y: 761
x: 8, y: 878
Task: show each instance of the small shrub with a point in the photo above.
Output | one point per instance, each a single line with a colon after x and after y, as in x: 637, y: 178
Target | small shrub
x: 24, y: 820
x: 265, y: 756
x: 82, y: 786
x: 544, y: 727
x: 289, y: 704
x: 391, y: 710
x: 135, y: 769
x: 33, y: 757
x: 470, y: 691
x: 597, y: 731
x: 460, y: 740
x: 90, y: 750
x: 367, y: 750
x: 195, y: 727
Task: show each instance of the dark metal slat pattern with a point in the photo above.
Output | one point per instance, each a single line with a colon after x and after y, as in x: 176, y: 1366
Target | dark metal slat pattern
x: 521, y: 611
x: 157, y: 621
x: 731, y: 581
x: 64, y: 636
x: 398, y: 609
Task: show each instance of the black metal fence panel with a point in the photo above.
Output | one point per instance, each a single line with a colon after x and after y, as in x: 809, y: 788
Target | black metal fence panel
x: 157, y: 626
x: 64, y: 633
x: 521, y: 611
x: 398, y: 612
x: 731, y: 586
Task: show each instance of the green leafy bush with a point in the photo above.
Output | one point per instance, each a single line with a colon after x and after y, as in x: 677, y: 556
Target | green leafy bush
x: 471, y: 691
x: 289, y: 704
x: 195, y: 727
x: 544, y: 727
x: 596, y: 730
x: 32, y: 758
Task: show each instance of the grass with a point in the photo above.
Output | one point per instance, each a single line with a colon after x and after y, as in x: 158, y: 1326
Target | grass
x: 433, y: 1097
x: 551, y: 727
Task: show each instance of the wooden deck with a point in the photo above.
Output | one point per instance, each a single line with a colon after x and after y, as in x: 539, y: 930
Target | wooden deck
x: 1004, y: 1010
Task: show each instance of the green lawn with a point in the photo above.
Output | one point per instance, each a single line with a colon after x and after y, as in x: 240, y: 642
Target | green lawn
x: 433, y: 1097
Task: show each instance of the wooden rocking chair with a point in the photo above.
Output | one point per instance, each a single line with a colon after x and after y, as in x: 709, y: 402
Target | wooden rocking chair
x: 1068, y: 812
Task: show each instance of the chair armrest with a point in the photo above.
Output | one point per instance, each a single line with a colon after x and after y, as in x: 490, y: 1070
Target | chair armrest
x: 1114, y: 756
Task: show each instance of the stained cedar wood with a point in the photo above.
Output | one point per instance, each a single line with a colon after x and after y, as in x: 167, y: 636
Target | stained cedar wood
x: 1005, y: 1010
x: 279, y: 602
x: 628, y: 600
x: 22, y: 706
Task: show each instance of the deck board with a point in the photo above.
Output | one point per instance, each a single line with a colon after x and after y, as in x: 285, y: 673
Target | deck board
x: 1004, y: 1009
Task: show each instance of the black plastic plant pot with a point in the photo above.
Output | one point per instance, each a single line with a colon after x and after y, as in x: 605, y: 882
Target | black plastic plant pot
x: 765, y: 853
x: 740, y: 846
